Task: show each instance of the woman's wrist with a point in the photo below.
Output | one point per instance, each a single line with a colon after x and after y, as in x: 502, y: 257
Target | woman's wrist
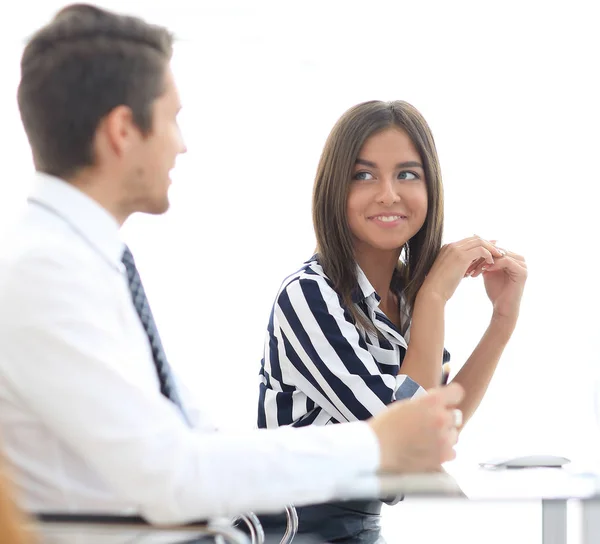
x: 428, y: 296
x: 503, y: 325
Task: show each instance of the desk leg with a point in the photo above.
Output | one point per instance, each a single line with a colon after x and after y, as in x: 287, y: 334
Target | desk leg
x: 590, y: 526
x: 554, y: 521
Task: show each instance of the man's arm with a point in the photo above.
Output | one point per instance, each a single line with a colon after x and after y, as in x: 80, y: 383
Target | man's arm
x: 67, y: 366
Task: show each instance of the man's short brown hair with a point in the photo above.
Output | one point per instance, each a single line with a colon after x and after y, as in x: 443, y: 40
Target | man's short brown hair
x: 76, y: 70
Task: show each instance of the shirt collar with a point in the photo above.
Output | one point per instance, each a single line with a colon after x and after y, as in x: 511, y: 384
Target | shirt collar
x: 82, y: 213
x: 363, y: 289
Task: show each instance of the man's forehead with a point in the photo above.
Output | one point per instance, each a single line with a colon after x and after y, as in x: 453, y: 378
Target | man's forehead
x: 171, y: 93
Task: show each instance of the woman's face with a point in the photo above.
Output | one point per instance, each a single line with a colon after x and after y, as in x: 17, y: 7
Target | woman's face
x: 387, y: 202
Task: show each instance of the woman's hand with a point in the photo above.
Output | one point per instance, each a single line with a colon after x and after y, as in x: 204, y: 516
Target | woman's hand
x: 504, y: 283
x: 453, y: 263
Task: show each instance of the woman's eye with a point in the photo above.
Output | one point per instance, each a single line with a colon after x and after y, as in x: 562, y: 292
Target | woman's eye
x: 363, y: 176
x: 407, y: 175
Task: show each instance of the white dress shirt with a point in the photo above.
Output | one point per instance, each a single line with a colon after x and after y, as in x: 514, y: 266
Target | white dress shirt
x: 82, y: 419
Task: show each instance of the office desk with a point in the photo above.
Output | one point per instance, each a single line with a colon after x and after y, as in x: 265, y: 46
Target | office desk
x: 553, y: 487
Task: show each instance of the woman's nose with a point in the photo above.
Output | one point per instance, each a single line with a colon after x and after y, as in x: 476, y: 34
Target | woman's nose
x: 388, y: 193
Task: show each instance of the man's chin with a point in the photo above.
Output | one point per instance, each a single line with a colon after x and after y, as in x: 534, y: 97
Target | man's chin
x: 162, y: 208
x: 156, y: 207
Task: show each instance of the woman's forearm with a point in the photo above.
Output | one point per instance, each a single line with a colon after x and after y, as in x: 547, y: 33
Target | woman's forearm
x: 423, y: 359
x: 477, y: 372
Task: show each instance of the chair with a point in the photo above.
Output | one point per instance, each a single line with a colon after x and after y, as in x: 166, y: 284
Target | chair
x: 12, y: 526
x: 292, y: 525
x: 256, y: 531
x: 257, y: 535
x: 226, y: 531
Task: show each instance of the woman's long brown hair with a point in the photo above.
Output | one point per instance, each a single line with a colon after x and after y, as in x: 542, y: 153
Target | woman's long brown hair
x: 332, y: 184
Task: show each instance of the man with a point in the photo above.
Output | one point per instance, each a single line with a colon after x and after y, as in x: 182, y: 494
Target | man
x: 90, y: 413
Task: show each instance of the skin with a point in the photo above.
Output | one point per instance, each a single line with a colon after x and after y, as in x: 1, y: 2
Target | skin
x: 389, y: 182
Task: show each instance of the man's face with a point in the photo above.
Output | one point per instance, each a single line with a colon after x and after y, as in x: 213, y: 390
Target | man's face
x: 153, y: 157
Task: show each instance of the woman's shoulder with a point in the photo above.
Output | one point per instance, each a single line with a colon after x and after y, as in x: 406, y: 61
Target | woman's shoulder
x: 310, y: 274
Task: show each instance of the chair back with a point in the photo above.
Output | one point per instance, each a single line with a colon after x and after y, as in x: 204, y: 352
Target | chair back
x: 14, y: 528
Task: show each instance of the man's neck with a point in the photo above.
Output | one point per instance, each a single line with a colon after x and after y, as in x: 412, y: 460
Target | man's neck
x: 100, y: 189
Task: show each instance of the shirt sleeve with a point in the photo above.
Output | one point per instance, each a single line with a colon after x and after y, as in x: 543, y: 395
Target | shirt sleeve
x: 198, y: 413
x: 326, y: 357
x: 64, y: 361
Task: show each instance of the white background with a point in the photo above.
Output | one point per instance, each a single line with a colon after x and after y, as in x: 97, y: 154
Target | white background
x: 510, y: 91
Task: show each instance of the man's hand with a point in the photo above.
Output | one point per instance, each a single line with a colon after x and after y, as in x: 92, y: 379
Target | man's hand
x: 419, y: 435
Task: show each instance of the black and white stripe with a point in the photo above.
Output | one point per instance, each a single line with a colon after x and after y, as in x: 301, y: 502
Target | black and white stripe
x: 321, y: 367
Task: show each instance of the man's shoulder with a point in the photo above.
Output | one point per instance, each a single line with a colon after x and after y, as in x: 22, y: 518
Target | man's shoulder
x: 24, y: 242
x: 34, y: 257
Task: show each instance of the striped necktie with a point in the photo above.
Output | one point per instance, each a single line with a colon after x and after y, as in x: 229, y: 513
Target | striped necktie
x: 165, y: 376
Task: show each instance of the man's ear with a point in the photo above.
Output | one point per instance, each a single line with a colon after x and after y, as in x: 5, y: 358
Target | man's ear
x: 119, y: 131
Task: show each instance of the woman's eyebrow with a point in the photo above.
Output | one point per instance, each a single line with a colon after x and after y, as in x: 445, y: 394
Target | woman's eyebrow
x: 407, y: 164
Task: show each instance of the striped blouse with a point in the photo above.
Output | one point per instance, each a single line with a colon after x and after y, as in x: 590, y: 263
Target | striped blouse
x: 319, y: 365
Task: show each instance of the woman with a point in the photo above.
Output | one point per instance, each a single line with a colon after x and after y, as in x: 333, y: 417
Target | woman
x: 361, y: 324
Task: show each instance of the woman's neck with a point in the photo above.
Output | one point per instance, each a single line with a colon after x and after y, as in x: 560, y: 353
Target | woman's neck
x: 379, y: 268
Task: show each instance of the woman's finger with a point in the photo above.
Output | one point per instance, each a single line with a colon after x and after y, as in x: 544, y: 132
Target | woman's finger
x: 483, y: 267
x: 513, y: 267
x: 515, y: 256
x: 479, y: 252
x: 474, y: 241
x: 474, y: 266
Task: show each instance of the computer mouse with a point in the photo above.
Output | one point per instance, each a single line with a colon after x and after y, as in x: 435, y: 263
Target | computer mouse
x: 527, y: 461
